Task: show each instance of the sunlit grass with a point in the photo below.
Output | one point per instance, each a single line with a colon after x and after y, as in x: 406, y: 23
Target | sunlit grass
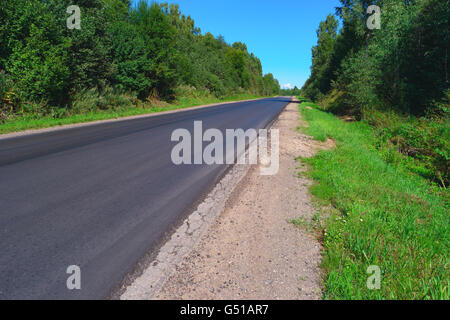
x: 387, y: 216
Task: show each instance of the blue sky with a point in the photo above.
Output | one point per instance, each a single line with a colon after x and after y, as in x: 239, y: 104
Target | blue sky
x: 280, y: 32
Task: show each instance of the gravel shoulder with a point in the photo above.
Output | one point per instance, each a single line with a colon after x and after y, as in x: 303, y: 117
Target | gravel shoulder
x: 251, y: 250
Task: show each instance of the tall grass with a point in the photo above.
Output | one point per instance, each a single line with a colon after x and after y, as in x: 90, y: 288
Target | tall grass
x: 386, y: 216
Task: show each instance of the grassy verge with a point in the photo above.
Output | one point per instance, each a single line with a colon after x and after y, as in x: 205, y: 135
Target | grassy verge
x: 36, y: 121
x: 386, y: 216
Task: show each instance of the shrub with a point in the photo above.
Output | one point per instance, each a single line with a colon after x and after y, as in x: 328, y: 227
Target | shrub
x: 425, y: 139
x: 92, y: 100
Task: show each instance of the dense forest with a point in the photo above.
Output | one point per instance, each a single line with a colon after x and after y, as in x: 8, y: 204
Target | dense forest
x: 395, y: 77
x: 122, y: 55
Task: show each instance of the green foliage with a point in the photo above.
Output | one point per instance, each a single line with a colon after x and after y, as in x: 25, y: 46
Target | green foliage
x: 109, y: 99
x: 398, y: 72
x: 387, y: 215
x: 89, y: 60
x: 40, y: 69
x: 425, y: 140
x: 159, y: 36
x: 7, y: 97
x: 291, y: 92
x: 145, y: 50
x: 403, y: 66
x: 319, y: 82
x: 33, y: 55
x: 129, y: 57
x: 86, y: 108
x: 271, y: 85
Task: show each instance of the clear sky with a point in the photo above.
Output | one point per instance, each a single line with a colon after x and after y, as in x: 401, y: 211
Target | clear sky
x: 280, y: 32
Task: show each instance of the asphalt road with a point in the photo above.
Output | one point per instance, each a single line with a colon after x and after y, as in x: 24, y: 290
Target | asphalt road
x: 101, y: 197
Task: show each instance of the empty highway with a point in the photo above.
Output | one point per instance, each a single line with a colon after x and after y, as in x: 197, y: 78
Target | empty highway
x: 101, y: 197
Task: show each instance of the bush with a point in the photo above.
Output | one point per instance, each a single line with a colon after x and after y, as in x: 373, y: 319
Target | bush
x: 426, y: 140
x: 385, y: 216
x: 215, y: 86
x: 93, y: 100
x: 8, y: 98
x: 130, y: 63
x: 4, y: 85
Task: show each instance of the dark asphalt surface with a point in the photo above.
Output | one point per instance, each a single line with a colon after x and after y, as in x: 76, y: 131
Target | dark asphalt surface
x: 101, y: 197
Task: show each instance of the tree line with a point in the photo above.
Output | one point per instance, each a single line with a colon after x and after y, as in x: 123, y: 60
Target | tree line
x: 291, y: 92
x: 403, y: 66
x: 395, y: 78
x: 146, y: 51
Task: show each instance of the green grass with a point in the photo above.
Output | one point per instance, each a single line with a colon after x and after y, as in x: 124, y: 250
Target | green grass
x: 36, y: 121
x: 386, y: 216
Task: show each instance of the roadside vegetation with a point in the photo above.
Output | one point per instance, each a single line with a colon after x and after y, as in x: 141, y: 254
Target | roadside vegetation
x: 290, y: 92
x: 124, y: 60
x: 384, y: 213
x: 118, y: 106
x: 383, y: 95
x: 395, y: 78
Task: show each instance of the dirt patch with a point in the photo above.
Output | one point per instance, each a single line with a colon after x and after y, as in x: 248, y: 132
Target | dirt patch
x: 252, y: 251
x: 348, y: 118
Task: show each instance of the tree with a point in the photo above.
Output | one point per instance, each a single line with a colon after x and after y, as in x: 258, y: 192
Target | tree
x: 146, y: 49
x: 322, y: 70
x: 159, y: 36
x: 35, y: 55
x: 403, y: 66
x: 131, y: 66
